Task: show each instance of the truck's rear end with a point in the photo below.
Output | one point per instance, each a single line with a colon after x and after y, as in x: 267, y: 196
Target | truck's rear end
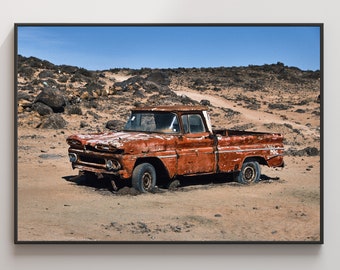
x: 242, y: 152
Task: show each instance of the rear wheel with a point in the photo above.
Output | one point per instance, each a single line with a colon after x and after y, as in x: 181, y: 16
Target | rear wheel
x: 250, y: 173
x: 144, y: 177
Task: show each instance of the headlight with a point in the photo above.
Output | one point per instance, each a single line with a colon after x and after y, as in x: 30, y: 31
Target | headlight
x: 113, y: 165
x: 73, y: 157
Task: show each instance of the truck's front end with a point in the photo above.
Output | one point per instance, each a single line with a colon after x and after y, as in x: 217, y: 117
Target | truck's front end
x: 98, y: 153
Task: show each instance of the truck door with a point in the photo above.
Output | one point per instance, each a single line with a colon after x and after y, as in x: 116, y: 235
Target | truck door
x: 195, y: 148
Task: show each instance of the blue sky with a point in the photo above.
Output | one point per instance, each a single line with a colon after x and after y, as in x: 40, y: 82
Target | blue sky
x: 105, y: 47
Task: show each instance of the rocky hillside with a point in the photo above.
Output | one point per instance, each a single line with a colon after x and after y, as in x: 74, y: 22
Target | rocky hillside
x: 78, y: 100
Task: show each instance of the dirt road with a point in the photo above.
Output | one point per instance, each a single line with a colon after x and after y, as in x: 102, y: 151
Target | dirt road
x: 256, y: 117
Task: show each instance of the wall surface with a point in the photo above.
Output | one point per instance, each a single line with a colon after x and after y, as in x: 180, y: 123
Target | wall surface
x: 35, y: 257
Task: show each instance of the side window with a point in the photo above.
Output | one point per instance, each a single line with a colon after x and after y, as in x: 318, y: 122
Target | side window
x: 185, y: 123
x: 193, y: 123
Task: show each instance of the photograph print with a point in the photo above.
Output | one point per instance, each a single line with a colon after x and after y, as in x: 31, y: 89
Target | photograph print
x: 168, y: 133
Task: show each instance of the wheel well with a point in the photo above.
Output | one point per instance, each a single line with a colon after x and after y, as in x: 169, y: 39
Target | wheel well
x: 162, y: 173
x: 260, y: 160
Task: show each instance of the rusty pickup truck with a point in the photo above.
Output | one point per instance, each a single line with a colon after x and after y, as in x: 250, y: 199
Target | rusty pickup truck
x: 169, y: 142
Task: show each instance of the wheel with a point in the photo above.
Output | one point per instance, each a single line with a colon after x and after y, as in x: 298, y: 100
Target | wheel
x: 144, y: 177
x: 250, y: 172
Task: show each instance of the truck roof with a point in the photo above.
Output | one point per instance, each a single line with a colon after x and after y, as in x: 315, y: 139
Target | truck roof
x: 172, y: 108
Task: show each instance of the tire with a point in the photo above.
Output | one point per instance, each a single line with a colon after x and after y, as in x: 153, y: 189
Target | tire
x: 250, y: 173
x: 144, y: 177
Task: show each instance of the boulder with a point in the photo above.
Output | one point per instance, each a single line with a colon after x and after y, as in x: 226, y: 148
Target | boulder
x: 83, y: 124
x: 308, y: 151
x: 46, y: 74
x: 198, y: 82
x: 42, y: 108
x: 205, y: 102
x: 160, y: 78
x: 23, y: 95
x: 53, y: 98
x: 152, y: 87
x: 132, y: 83
x: 115, y: 125
x: 74, y: 109
x: 53, y: 121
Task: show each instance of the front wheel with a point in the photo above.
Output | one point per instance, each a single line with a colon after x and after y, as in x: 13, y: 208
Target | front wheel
x: 144, y: 177
x: 250, y: 173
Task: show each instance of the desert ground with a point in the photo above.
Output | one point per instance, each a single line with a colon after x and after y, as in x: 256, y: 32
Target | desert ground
x: 54, y: 204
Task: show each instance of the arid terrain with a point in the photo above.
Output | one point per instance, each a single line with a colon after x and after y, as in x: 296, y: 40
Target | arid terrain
x: 55, y: 204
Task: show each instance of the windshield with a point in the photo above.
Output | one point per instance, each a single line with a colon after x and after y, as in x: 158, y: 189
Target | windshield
x: 153, y: 122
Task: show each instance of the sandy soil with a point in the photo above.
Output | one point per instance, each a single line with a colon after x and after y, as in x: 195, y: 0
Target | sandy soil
x: 283, y: 206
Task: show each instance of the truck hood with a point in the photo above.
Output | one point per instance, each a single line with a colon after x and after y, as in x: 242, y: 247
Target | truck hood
x: 114, y: 140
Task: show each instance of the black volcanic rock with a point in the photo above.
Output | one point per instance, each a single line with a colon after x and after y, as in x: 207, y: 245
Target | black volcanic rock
x: 53, y: 121
x: 308, y: 151
x: 132, y: 83
x: 24, y: 96
x: 74, y: 109
x: 53, y: 98
x: 159, y: 77
x: 46, y: 74
x: 115, y: 125
x: 42, y: 108
x: 154, y: 87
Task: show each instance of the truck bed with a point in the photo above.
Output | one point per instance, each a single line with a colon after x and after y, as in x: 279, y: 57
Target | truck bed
x: 231, y: 132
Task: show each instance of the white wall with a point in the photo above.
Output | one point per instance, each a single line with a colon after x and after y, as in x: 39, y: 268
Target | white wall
x: 171, y: 256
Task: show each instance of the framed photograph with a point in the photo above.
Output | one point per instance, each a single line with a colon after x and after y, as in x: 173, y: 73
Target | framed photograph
x: 168, y: 133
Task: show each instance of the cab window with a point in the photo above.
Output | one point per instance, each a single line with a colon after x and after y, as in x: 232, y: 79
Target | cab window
x: 192, y: 123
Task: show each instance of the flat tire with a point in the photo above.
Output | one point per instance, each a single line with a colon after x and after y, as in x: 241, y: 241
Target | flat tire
x: 144, y: 177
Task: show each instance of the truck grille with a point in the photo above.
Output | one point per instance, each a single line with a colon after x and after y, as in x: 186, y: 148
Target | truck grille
x: 94, y: 160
